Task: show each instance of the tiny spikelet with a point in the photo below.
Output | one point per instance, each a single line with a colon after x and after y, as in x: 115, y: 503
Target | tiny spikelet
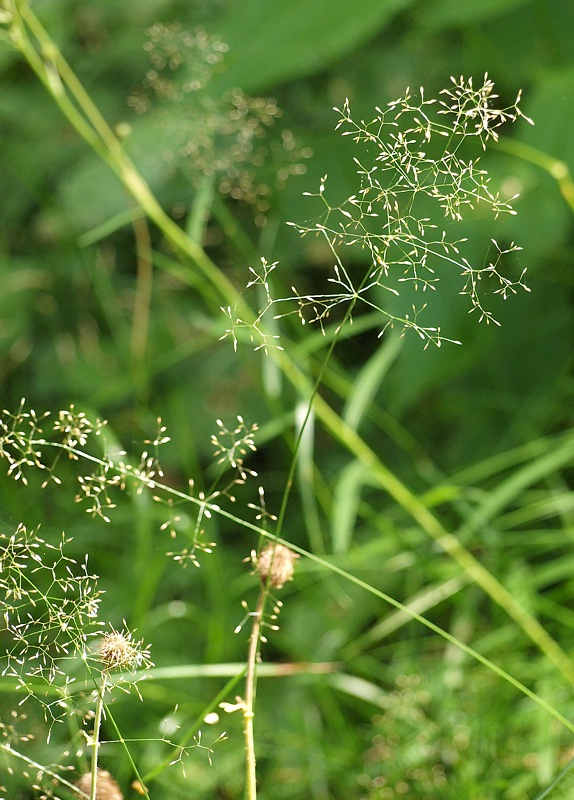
x: 276, y: 564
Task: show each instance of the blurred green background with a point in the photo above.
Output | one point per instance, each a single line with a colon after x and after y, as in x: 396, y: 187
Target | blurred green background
x: 456, y: 424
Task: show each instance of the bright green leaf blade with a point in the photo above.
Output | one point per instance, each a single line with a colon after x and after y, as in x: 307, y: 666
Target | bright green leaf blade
x: 445, y: 13
x: 346, y: 500
x: 369, y: 379
x: 274, y: 42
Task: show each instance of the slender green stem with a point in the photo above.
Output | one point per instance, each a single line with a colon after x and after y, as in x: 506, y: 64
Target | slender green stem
x: 549, y: 789
x: 250, y: 691
x: 311, y: 398
x: 99, y: 710
x: 128, y: 753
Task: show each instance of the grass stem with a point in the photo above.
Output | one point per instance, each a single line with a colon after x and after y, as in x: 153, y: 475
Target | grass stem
x: 95, y: 745
x: 250, y: 691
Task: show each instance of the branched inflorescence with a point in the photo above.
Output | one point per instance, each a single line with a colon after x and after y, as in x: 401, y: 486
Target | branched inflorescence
x: 49, y: 605
x: 23, y: 442
x: 256, y: 331
x: 30, y: 442
x: 230, y: 448
x: 49, y: 601
x: 414, y: 186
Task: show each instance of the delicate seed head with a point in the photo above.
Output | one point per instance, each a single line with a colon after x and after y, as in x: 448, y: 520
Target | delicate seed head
x: 120, y: 650
x: 106, y: 787
x: 275, y: 565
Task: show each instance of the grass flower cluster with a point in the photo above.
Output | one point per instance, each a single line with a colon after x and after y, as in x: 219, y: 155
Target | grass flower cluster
x: 50, y: 603
x: 413, y: 183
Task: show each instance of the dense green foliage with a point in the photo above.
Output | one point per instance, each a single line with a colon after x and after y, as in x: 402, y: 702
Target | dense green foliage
x: 461, y: 508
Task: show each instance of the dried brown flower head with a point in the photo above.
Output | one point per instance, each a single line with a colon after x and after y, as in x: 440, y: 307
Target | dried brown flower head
x: 276, y: 564
x: 121, y: 650
x: 106, y: 787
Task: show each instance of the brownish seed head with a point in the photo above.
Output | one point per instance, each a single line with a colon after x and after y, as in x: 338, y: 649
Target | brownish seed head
x: 118, y: 650
x: 275, y: 565
x: 106, y: 787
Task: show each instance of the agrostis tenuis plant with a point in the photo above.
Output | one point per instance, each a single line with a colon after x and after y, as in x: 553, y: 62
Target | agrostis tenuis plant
x: 415, y: 183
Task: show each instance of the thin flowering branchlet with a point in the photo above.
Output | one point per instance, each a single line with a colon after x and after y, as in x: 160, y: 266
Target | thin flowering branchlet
x: 118, y: 472
x: 18, y: 446
x: 258, y: 331
x: 96, y: 488
x: 473, y: 110
x: 191, y: 552
x: 263, y: 515
x: 231, y: 447
x: 75, y: 429
x: 49, y: 606
x: 24, y: 444
x: 175, y: 524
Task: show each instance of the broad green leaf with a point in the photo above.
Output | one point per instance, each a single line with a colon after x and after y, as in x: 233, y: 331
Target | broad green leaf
x: 274, y: 41
x: 369, y: 379
x: 346, y: 500
x: 447, y: 13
